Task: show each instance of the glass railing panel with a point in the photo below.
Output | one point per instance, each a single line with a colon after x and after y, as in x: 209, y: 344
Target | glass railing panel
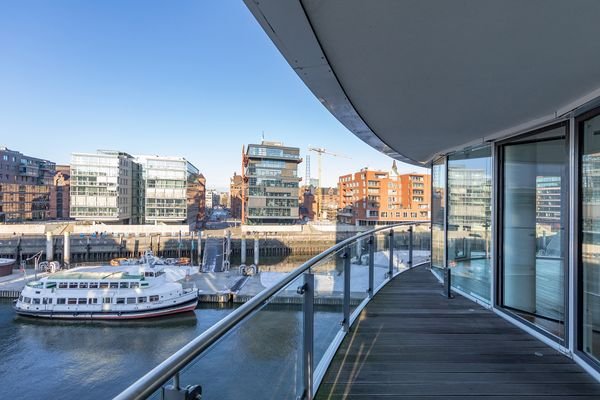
x: 381, y: 258
x: 329, y: 298
x: 264, y: 351
x: 359, y: 271
x: 401, y: 247
x: 421, y: 243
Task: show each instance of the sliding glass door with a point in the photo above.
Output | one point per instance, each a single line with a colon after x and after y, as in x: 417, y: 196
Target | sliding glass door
x: 534, y: 225
x: 589, y: 271
x: 470, y: 220
x: 438, y: 216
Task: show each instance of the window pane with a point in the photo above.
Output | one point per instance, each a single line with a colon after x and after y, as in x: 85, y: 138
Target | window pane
x: 534, y: 255
x: 590, y: 237
x: 438, y: 205
x: 469, y: 221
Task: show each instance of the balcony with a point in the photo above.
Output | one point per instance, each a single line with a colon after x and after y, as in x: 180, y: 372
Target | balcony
x: 394, y: 331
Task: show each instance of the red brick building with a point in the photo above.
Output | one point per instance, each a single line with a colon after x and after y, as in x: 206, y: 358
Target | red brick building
x: 371, y: 197
x: 60, y: 193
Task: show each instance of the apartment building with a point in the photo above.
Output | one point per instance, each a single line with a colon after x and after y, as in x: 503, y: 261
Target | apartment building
x: 25, y: 184
x: 235, y: 196
x: 372, y: 197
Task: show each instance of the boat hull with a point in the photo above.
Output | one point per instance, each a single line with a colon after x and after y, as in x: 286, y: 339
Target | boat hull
x: 186, y: 306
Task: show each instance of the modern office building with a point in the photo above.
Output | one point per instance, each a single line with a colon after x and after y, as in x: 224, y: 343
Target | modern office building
x: 25, y: 185
x: 170, y: 190
x: 115, y: 187
x: 271, y: 194
x: 370, y: 197
x: 60, y: 193
x: 213, y: 199
x: 477, y: 91
x: 102, y: 187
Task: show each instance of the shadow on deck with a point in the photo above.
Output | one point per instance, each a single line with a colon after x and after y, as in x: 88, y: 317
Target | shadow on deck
x: 411, y: 342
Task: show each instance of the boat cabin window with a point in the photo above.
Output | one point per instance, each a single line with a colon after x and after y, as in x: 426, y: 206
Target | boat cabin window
x: 120, y: 300
x: 20, y: 297
x: 93, y: 301
x: 61, y: 300
x: 72, y: 285
x: 154, y: 298
x: 149, y: 274
x: 45, y: 300
x: 107, y: 300
x: 134, y: 285
x: 35, y: 284
x: 27, y: 300
x: 124, y: 285
x: 93, y: 285
x: 142, y: 299
x: 103, y: 285
x: 114, y: 285
x: 144, y: 284
x: 50, y: 285
x: 71, y: 301
x: 81, y: 300
x: 131, y: 300
x: 83, y: 285
x: 36, y: 301
x: 62, y: 285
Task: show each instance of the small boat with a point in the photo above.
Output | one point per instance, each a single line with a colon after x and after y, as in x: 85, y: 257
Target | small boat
x: 148, y: 289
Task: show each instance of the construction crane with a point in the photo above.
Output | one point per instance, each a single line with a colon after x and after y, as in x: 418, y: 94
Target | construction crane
x: 320, y: 151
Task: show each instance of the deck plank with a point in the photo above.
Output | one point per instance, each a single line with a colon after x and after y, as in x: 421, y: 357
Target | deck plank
x: 411, y: 342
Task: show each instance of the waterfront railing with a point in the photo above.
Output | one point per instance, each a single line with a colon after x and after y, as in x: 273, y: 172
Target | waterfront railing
x: 282, y: 352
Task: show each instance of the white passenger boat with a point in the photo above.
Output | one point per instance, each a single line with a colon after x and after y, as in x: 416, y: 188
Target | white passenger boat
x: 148, y: 289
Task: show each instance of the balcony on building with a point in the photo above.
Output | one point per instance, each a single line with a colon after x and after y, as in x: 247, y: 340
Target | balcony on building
x: 501, y: 99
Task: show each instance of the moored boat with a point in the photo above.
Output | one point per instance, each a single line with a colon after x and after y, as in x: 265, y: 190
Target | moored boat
x: 148, y: 289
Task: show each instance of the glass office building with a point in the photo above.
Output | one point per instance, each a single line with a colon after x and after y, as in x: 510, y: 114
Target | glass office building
x: 115, y: 187
x: 271, y: 170
x: 166, y: 181
x: 101, y: 186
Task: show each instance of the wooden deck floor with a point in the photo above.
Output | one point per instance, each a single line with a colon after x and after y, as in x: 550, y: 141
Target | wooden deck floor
x: 412, y: 343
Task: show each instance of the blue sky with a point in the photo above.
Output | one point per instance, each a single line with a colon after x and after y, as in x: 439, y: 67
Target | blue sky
x: 191, y: 78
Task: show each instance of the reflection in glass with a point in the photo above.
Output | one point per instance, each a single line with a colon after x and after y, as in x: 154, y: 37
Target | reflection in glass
x: 590, y: 238
x: 438, y: 206
x: 469, y: 221
x: 533, y: 222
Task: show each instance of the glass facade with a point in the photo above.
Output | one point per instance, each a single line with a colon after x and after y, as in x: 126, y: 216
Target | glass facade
x: 590, y: 236
x: 469, y: 221
x: 273, y: 183
x: 438, y: 215
x: 165, y: 186
x: 101, y: 186
x: 534, y: 255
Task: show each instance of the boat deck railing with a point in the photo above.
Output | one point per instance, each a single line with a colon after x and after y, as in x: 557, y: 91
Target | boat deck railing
x: 282, y: 352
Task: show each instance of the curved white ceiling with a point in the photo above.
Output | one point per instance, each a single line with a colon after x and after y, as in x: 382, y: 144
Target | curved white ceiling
x: 416, y: 78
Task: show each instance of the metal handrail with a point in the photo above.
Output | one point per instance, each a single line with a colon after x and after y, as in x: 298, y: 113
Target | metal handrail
x: 159, y: 375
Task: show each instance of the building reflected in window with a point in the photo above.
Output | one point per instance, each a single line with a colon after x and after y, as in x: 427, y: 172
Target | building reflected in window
x: 469, y: 221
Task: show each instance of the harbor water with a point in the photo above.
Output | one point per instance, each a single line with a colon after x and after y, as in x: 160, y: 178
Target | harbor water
x: 96, y: 360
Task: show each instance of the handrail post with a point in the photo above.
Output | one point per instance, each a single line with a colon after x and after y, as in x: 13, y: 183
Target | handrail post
x: 346, y: 322
x: 371, y: 265
x: 410, y: 246
x: 391, y: 246
x: 308, y: 334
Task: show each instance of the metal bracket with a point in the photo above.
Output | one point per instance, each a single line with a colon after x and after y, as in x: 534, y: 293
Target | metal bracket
x: 302, y: 289
x: 190, y: 392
